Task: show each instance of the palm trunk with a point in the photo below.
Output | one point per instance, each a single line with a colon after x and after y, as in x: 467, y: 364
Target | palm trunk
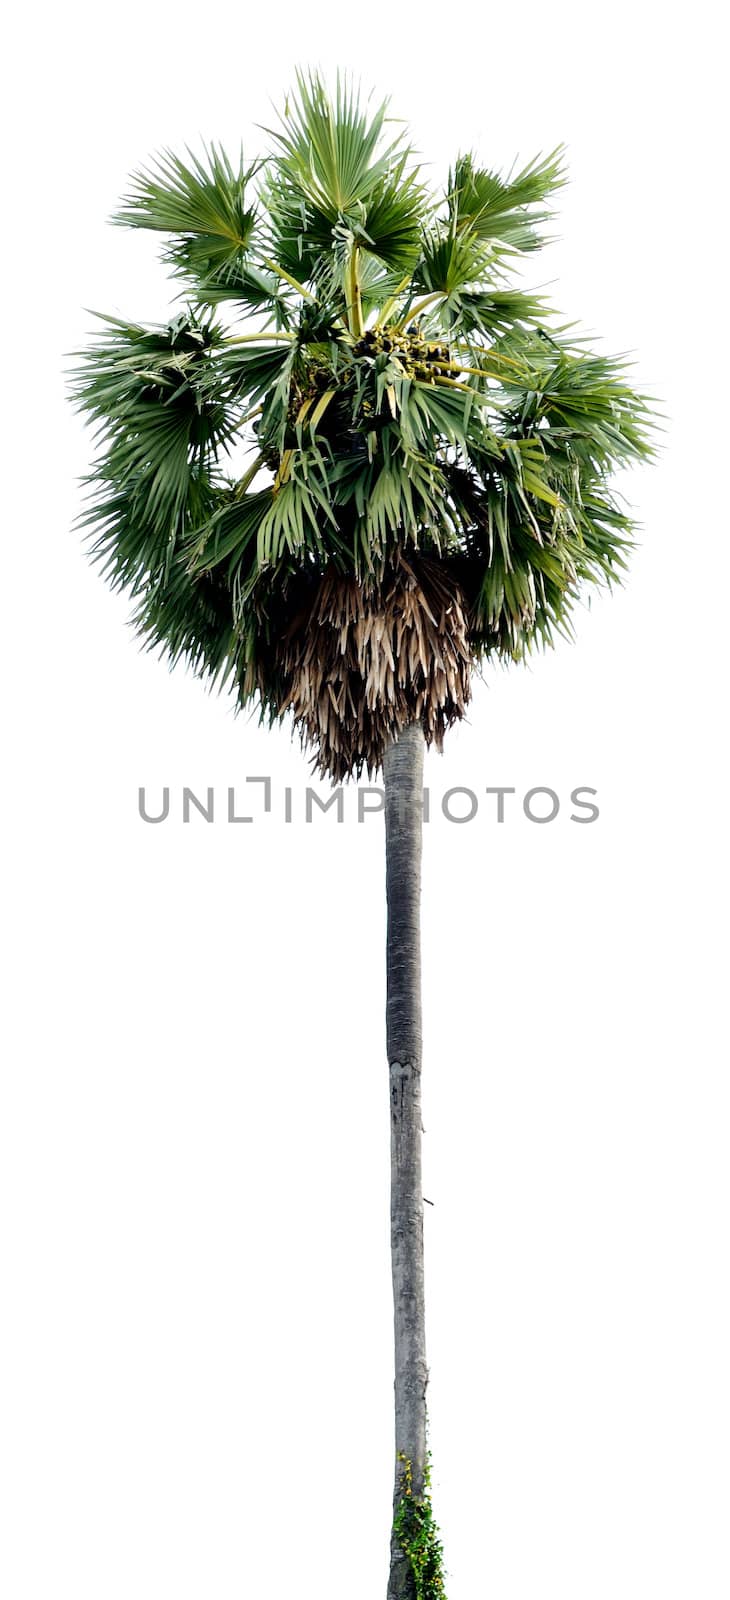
x: 403, y: 776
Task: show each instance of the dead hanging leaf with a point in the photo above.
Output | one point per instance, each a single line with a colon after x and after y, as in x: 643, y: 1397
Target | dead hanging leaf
x: 360, y: 661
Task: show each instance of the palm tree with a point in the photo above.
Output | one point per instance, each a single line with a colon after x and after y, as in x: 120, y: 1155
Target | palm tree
x: 361, y: 462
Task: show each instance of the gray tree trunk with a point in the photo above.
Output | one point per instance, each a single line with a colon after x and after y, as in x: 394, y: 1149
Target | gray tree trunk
x: 403, y: 777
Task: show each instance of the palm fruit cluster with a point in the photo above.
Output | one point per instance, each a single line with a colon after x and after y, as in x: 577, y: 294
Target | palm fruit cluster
x: 418, y: 357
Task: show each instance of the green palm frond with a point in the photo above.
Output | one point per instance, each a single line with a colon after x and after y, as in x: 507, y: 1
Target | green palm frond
x: 334, y: 182
x: 253, y: 370
x: 239, y: 283
x: 298, y: 512
x: 493, y: 312
x: 508, y: 212
x: 190, y: 620
x: 229, y: 535
x: 163, y: 426
x: 328, y: 147
x: 451, y: 261
x: 581, y: 403
x: 202, y: 203
x: 394, y: 214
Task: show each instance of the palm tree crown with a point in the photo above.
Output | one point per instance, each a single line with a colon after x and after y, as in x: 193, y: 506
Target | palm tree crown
x: 424, y: 457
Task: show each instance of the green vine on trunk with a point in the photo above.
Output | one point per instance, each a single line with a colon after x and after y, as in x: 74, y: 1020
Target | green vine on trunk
x: 418, y: 1535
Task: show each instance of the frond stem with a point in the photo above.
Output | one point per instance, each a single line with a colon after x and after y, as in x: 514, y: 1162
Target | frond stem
x: 254, y: 412
x: 294, y: 283
x: 387, y: 310
x: 250, y: 338
x: 420, y: 306
x: 354, y: 298
x: 245, y: 482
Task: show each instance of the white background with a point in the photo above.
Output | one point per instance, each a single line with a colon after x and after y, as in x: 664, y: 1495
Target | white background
x: 197, y: 1322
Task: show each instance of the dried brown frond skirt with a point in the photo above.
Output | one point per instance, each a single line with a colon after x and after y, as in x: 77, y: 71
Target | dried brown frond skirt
x: 364, y: 659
